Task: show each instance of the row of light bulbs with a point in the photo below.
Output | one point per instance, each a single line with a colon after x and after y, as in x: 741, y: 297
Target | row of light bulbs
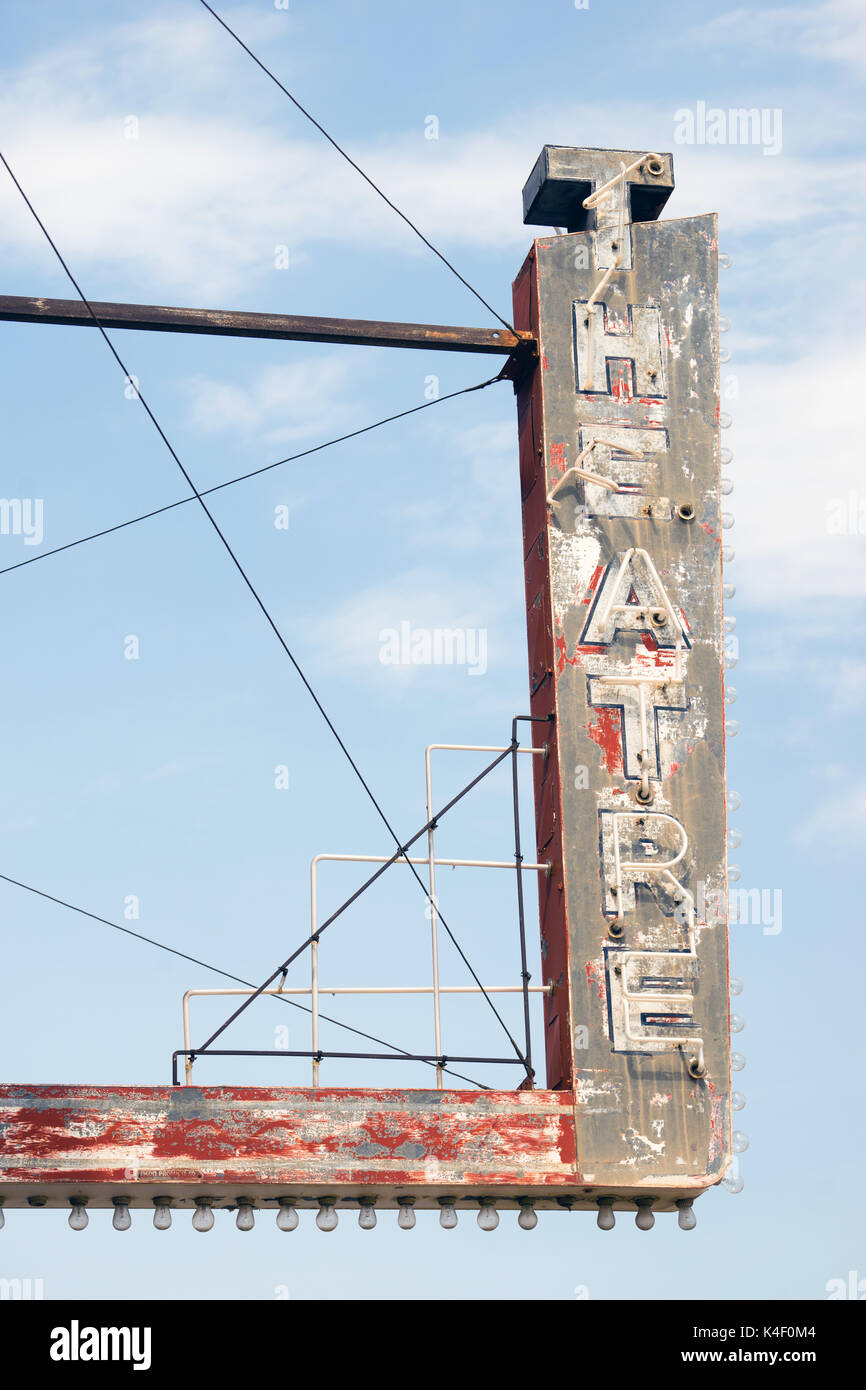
x: 327, y: 1216
x: 733, y: 1182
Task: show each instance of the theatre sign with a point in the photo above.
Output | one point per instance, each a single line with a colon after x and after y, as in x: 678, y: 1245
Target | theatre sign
x: 619, y: 453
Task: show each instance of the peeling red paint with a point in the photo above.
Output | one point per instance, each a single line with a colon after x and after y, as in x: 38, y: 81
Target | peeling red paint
x: 606, y: 731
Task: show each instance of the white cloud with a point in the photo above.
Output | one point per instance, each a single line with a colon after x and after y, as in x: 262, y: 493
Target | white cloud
x: 202, y: 197
x: 307, y: 399
x: 350, y: 641
x: 796, y: 443
x: 834, y: 30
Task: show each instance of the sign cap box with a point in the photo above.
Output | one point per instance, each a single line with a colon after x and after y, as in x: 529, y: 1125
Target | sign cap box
x: 563, y: 176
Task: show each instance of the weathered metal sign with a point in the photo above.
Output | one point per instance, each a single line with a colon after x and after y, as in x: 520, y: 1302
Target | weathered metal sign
x: 622, y: 538
x: 619, y: 465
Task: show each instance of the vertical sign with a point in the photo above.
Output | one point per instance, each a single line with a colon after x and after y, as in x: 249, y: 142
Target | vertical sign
x: 619, y: 463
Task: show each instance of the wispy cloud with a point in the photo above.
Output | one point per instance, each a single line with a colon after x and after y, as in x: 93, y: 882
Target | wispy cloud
x: 832, y: 30
x: 797, y: 456
x: 204, y: 195
x: 307, y: 399
x: 349, y: 642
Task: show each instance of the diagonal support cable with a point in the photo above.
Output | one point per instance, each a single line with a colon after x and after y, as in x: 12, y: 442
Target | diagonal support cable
x: 172, y: 950
x: 258, y: 599
x: 254, y: 473
x: 358, y: 169
x: 400, y: 853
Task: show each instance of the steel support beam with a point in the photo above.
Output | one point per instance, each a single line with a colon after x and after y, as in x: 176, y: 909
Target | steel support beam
x: 230, y: 323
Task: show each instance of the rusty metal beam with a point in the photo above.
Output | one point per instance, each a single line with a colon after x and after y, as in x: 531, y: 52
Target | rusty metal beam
x: 232, y: 323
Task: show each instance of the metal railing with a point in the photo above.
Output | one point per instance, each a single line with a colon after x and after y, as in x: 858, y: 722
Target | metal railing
x: 435, y: 989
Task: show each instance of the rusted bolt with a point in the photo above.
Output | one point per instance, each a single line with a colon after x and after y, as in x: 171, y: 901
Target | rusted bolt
x: 696, y: 1069
x: 654, y: 167
x: 615, y: 929
x: 644, y: 797
x: 617, y: 970
x: 686, y: 511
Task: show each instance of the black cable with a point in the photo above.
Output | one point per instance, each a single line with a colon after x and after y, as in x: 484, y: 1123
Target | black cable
x: 242, y: 477
x: 358, y: 168
x: 149, y: 940
x: 259, y: 601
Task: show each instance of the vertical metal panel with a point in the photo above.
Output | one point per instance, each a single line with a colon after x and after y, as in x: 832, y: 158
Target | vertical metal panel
x: 625, y: 647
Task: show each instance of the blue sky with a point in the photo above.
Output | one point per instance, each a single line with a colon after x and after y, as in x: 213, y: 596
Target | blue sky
x: 155, y: 777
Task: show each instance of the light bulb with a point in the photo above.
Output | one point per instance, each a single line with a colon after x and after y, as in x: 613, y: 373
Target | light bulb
x: 447, y: 1213
x: 121, y: 1220
x: 287, y: 1217
x: 326, y: 1216
x: 726, y: 487
x: 728, y: 520
x: 738, y: 1061
x: 734, y: 873
x: 488, y: 1216
x: 732, y: 694
x: 527, y: 1220
x: 734, y: 801
x: 732, y: 728
x: 2, y: 1217
x: 725, y: 420
x: 645, y: 1219
x: 732, y: 1180
x: 406, y: 1219
x: 246, y: 1217
x: 730, y: 624
x: 78, y: 1215
x: 734, y: 839
x: 728, y: 554
x: 686, y: 1219
x: 605, y: 1221
x: 202, y: 1217
x: 729, y: 590
x: 738, y: 1100
x: 162, y: 1213
x: 367, y: 1213
x: 724, y: 324
x: 724, y: 355
x: 738, y: 1023
x: 735, y: 985
x: 739, y: 1141
x: 725, y: 260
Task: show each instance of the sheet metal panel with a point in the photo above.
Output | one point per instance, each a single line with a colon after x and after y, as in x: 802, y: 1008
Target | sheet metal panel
x: 142, y: 1141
